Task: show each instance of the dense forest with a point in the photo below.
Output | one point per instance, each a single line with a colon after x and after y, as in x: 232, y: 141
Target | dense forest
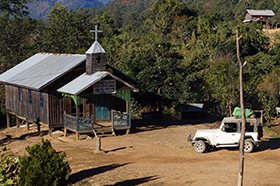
x: 180, y: 51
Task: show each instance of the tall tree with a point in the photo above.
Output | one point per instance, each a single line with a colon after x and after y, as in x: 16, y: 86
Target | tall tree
x: 67, y: 31
x: 17, y: 38
x: 108, y: 25
x: 14, y: 7
x: 163, y: 13
x: 222, y: 81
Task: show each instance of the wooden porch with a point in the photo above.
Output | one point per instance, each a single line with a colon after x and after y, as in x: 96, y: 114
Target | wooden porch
x: 120, y: 121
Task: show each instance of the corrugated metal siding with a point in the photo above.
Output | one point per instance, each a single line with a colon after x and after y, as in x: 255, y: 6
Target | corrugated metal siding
x: 261, y: 12
x: 40, y: 70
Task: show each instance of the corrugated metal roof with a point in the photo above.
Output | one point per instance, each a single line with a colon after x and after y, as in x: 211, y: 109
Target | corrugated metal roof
x: 84, y: 81
x: 95, y: 48
x: 41, y: 69
x: 261, y: 12
x: 191, y: 107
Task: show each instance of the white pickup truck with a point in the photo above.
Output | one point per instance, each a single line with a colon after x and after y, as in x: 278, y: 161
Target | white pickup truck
x: 228, y: 135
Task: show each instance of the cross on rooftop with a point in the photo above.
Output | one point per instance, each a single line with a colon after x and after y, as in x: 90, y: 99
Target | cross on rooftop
x: 96, y: 31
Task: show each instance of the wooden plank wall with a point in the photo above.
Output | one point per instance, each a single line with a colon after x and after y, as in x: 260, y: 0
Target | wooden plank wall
x: 68, y: 105
x: 57, y: 107
x: 31, y: 112
x: 57, y: 103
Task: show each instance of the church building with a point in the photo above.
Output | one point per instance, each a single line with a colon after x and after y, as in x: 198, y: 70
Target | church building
x: 72, y: 91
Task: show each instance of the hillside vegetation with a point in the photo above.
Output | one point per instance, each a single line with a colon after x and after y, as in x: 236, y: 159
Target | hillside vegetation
x: 180, y: 51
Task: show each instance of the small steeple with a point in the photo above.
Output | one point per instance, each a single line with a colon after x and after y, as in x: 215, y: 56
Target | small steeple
x: 96, y: 56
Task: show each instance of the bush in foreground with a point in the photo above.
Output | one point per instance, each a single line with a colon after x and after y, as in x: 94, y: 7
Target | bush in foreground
x: 43, y: 166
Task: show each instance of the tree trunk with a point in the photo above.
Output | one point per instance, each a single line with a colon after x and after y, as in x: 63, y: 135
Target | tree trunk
x: 241, y: 141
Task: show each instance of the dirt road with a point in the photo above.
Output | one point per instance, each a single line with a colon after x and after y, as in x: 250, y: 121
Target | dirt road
x: 154, y: 155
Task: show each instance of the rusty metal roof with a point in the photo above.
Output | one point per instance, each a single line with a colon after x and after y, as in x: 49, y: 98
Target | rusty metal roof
x: 260, y: 12
x: 41, y: 69
x: 84, y: 81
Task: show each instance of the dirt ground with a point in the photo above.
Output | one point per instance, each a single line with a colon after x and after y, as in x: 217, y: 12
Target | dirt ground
x: 153, y: 154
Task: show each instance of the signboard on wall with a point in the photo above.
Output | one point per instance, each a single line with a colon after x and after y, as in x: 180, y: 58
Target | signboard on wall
x: 107, y: 86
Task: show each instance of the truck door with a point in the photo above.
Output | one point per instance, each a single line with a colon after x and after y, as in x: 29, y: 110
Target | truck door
x: 229, y: 134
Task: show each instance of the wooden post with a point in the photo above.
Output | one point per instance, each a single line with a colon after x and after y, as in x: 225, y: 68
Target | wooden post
x: 127, y: 106
x: 50, y: 131
x: 77, y: 115
x: 77, y: 135
x: 98, y: 146
x: 18, y: 122
x: 27, y: 124
x: 38, y: 127
x: 77, y: 111
x: 84, y: 109
x: 241, y: 141
x: 127, y: 110
x: 65, y: 132
x: 8, y: 120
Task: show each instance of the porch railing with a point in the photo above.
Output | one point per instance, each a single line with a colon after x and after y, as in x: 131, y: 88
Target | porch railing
x: 121, y: 121
x: 78, y: 123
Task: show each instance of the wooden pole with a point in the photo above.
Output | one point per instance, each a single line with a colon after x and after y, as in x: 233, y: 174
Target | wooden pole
x: 50, y: 131
x: 18, y: 122
x: 38, y: 127
x: 27, y: 124
x: 65, y: 132
x: 77, y: 115
x: 241, y: 141
x: 8, y: 120
x: 77, y: 111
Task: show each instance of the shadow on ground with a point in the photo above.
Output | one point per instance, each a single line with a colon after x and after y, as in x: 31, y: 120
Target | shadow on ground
x: 79, y: 176
x: 8, y: 139
x: 117, y: 149
x: 135, y: 181
x: 267, y: 144
x: 156, y: 124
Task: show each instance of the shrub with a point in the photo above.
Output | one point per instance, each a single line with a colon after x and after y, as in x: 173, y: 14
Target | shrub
x: 43, y: 166
x: 9, y: 169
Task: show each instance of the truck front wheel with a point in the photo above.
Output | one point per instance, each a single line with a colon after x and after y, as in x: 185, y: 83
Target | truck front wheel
x: 248, y: 146
x: 199, y: 146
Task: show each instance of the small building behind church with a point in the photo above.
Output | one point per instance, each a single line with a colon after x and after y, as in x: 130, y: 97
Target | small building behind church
x: 77, y: 92
x: 262, y: 16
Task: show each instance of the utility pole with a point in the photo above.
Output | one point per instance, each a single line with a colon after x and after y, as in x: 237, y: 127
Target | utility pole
x: 241, y: 141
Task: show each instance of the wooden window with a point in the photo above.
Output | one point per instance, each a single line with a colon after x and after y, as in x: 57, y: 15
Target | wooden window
x: 29, y: 97
x: 19, y: 94
x: 41, y: 100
